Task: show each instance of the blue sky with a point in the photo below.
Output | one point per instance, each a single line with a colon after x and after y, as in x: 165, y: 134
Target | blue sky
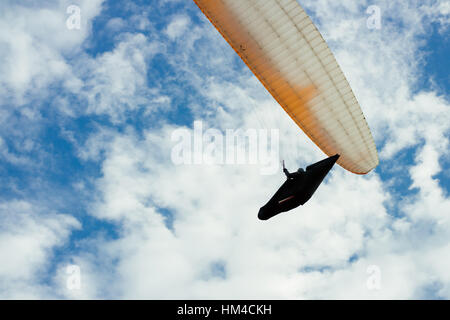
x: 86, y: 179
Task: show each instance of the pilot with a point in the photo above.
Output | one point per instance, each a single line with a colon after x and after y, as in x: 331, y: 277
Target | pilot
x: 292, y: 175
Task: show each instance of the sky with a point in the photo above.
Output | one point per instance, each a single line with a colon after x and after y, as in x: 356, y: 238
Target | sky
x: 93, y: 207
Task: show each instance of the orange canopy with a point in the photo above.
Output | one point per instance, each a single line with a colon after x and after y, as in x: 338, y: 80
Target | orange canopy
x: 280, y: 44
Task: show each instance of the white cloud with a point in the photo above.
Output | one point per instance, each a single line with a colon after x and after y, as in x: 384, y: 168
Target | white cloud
x: 116, y: 24
x: 177, y: 27
x: 28, y: 236
x: 34, y: 45
x: 116, y: 82
x: 33, y: 42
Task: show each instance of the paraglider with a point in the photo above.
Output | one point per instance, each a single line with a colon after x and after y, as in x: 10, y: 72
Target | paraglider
x: 298, y: 188
x: 283, y: 48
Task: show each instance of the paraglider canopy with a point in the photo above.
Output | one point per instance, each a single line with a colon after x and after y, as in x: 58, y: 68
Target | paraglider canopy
x: 282, y: 47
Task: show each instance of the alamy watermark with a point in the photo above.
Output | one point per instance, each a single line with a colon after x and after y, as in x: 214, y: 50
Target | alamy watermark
x: 374, y: 280
x: 232, y: 147
x: 73, y: 281
x: 74, y: 19
x: 374, y: 20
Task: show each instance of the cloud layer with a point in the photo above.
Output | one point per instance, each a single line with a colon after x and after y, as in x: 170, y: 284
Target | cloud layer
x: 191, y: 231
